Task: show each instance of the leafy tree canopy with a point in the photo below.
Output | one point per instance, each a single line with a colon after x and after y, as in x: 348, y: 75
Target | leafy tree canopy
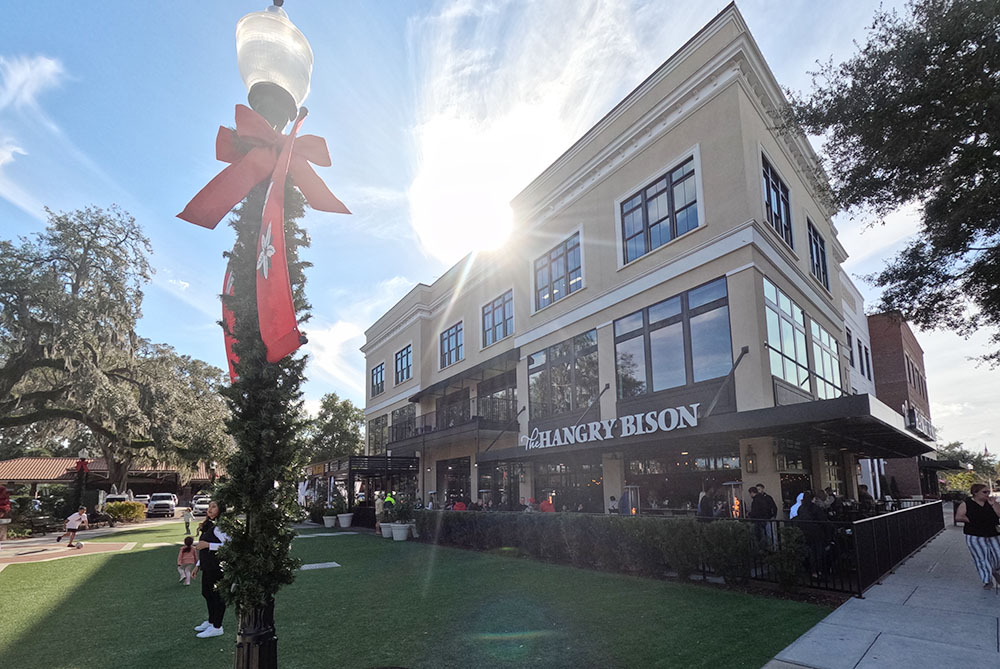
x: 73, y: 372
x: 984, y: 466
x: 336, y: 431
x: 914, y: 118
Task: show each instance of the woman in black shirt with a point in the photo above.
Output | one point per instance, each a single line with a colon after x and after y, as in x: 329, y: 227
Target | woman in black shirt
x: 210, y: 538
x: 981, y: 516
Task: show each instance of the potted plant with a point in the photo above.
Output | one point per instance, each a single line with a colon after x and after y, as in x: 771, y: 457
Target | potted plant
x: 344, y: 519
x: 330, y: 517
x: 401, y: 528
x: 386, y: 522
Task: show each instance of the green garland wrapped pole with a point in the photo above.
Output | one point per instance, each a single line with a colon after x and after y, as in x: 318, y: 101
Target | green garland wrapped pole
x: 259, y: 488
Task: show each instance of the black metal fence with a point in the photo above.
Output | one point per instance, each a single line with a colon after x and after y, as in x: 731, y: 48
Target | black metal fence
x: 846, y: 557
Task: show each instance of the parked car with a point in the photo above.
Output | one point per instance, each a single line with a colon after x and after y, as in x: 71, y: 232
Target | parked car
x: 161, y: 504
x: 199, y: 506
x: 115, y: 498
x: 141, y: 498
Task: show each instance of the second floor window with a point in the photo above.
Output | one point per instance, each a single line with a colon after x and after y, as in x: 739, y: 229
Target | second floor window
x: 663, y: 210
x: 452, y: 345
x: 404, y: 364
x: 776, y: 207
x: 673, y: 343
x: 378, y: 434
x: 563, y: 377
x: 558, y: 272
x: 498, y: 318
x: 817, y: 255
x: 378, y: 380
x: 850, y: 346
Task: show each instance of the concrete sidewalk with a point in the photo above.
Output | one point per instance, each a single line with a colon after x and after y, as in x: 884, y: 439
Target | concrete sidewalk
x: 932, y: 612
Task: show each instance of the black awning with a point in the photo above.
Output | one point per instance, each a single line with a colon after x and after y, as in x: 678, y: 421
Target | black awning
x: 939, y: 465
x: 499, y: 363
x: 858, y: 423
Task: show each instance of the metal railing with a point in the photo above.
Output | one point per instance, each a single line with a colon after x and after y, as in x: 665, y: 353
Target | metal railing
x: 491, y: 412
x: 842, y: 556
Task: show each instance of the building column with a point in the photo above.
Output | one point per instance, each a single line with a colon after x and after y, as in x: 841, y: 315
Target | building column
x: 612, y: 477
x: 528, y: 482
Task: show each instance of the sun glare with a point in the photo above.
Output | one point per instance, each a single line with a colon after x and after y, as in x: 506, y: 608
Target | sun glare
x: 459, y: 200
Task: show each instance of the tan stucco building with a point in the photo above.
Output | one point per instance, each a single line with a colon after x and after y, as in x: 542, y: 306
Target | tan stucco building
x: 667, y: 314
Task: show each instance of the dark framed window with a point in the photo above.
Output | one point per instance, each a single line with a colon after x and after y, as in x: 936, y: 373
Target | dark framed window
x: 868, y: 364
x: 452, y: 345
x: 861, y: 357
x: 661, y: 211
x: 378, y: 379
x: 404, y: 364
x: 817, y: 255
x: 498, y: 319
x: 378, y: 434
x: 563, y: 377
x: 558, y: 272
x: 776, y: 206
x: 850, y: 346
x: 677, y: 342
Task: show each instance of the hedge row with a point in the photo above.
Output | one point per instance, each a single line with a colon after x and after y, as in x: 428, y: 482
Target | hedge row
x: 646, y: 546
x: 126, y: 512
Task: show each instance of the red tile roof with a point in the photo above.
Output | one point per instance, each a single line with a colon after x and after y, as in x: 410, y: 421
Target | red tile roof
x: 63, y: 469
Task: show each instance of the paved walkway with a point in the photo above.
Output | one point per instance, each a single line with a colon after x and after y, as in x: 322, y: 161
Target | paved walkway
x: 932, y: 612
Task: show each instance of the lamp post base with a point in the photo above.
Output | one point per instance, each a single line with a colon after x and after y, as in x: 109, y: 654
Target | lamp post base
x: 256, y: 639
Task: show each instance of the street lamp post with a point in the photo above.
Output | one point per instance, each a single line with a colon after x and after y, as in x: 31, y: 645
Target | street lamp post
x: 263, y: 300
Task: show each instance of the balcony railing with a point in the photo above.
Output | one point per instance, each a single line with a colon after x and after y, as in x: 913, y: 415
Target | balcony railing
x: 490, y: 413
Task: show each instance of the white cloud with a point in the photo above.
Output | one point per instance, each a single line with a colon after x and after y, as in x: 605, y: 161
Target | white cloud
x: 183, y: 285
x: 24, y: 78
x: 11, y: 191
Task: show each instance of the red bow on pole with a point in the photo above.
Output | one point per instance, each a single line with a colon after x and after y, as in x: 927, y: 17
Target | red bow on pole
x: 256, y: 152
x: 253, y: 150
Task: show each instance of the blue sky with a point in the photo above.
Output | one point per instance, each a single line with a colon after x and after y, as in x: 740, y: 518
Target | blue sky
x: 436, y: 114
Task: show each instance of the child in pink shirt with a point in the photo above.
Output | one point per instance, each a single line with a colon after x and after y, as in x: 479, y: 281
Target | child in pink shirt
x: 187, y: 560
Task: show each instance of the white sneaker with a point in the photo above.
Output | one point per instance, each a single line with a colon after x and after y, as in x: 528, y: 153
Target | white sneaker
x: 210, y: 631
x: 202, y: 627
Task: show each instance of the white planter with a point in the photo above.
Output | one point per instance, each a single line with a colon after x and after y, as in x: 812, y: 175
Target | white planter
x: 387, y: 530
x: 329, y: 521
x: 345, y: 519
x: 400, y: 531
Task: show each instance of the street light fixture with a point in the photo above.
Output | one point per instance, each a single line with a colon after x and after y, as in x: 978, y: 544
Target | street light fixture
x: 275, y: 61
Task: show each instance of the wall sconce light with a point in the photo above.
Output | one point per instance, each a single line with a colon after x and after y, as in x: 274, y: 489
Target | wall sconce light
x: 428, y: 469
x: 751, y: 461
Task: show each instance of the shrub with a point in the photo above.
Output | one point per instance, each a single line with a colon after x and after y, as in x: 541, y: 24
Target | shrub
x: 729, y: 549
x: 126, y: 512
x: 788, y: 561
x: 316, y: 512
x: 682, y: 546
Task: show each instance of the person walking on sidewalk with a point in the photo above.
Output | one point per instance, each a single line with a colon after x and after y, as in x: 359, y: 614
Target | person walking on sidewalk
x: 981, y: 514
x: 188, y: 517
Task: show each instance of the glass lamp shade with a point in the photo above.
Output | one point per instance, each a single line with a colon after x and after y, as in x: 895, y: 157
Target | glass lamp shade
x: 275, y: 61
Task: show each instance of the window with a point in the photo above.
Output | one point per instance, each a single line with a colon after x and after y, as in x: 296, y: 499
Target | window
x: 558, y: 273
x: 663, y: 210
x: 378, y: 380
x: 826, y: 362
x: 850, y: 347
x: 404, y: 420
x: 868, y: 364
x: 378, y: 429
x: 563, y: 377
x: 786, y: 337
x: 452, y: 348
x: 404, y: 364
x: 776, y: 207
x: 498, y: 319
x: 817, y: 255
x: 861, y: 357
x: 673, y: 343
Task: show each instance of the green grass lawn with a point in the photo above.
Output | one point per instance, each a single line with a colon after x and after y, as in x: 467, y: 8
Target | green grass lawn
x: 389, y: 604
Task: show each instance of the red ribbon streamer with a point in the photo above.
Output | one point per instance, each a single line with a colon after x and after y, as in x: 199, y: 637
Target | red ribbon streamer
x: 279, y: 329
x: 253, y: 150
